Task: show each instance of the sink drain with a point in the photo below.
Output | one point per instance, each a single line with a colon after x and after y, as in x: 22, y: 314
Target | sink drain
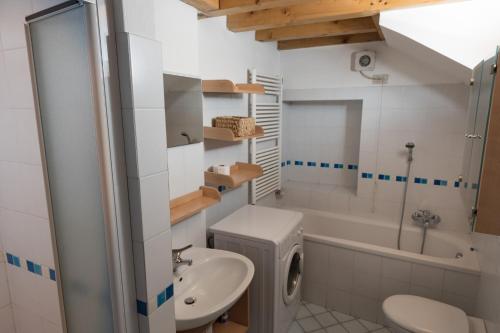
x: 190, y: 300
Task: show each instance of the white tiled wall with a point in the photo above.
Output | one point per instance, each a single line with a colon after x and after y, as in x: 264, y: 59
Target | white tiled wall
x: 357, y: 283
x: 141, y: 84
x: 6, y: 317
x: 176, y: 27
x: 206, y: 49
x: 323, y: 132
x: 488, y: 302
x: 431, y: 116
x: 24, y: 225
x: 227, y: 55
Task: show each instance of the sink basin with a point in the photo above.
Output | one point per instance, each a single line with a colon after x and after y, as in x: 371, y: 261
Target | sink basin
x: 215, y: 281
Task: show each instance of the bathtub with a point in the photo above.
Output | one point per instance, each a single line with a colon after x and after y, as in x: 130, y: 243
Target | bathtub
x: 351, y: 264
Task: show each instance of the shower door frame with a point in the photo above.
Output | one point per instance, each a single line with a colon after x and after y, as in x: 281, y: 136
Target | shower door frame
x: 113, y: 184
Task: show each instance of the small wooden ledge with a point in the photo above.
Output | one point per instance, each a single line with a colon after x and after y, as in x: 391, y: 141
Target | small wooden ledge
x: 225, y: 134
x: 239, y: 174
x: 192, y: 203
x: 228, y: 87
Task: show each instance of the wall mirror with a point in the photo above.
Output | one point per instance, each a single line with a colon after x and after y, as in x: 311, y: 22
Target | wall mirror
x: 183, y: 110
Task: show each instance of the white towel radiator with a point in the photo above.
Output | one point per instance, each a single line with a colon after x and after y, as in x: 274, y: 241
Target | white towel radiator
x: 266, y: 151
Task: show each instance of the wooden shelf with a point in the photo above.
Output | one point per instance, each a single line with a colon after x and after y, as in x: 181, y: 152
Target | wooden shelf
x: 192, y: 203
x: 229, y: 327
x: 225, y: 134
x: 228, y: 87
x: 240, y: 173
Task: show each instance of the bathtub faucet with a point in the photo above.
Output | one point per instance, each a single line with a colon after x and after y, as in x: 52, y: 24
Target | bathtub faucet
x: 425, y: 219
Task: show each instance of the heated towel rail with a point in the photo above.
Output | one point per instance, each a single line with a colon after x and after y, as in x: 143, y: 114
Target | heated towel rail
x: 266, y: 151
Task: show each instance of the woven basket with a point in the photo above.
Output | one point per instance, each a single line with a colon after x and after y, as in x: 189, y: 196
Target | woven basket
x: 240, y: 126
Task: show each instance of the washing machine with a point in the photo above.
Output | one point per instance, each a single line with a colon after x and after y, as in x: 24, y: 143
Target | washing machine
x: 272, y: 239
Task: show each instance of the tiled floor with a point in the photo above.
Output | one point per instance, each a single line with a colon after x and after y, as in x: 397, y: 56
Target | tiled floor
x: 316, y: 319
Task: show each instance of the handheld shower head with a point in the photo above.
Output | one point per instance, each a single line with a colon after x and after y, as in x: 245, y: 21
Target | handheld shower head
x: 410, y: 145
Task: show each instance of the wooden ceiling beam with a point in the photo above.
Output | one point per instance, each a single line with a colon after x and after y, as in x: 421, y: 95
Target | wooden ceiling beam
x: 325, y: 41
x: 203, y: 6
x: 230, y: 7
x: 310, y: 11
x: 376, y: 19
x: 322, y: 29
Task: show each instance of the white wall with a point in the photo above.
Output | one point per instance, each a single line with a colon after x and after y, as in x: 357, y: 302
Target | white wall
x: 207, y: 50
x: 227, y: 55
x: 176, y: 27
x: 488, y: 303
x: 330, y: 67
x: 24, y: 225
x: 419, y: 104
x: 6, y: 315
x: 464, y: 31
x: 325, y: 133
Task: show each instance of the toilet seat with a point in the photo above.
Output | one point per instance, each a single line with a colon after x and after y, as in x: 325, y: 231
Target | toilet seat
x: 421, y: 315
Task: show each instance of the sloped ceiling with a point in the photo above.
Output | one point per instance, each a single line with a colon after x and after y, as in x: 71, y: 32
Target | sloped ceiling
x: 465, y: 32
x: 431, y: 58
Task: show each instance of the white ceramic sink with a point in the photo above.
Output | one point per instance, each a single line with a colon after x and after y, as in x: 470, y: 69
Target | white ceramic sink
x: 215, y: 280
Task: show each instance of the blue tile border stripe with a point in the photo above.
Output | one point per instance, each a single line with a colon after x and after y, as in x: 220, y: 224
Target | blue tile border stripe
x: 147, y: 308
x: 419, y: 180
x: 367, y: 175
x: 440, y: 182
x: 382, y: 176
x: 31, y: 266
x: 401, y: 179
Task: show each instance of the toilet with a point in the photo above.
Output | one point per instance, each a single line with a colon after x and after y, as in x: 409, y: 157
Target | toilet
x: 414, y: 314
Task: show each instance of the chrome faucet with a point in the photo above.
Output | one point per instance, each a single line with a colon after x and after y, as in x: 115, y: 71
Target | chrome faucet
x: 425, y: 218
x: 177, y: 259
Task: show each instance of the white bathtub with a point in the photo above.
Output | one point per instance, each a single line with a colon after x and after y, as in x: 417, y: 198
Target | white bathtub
x: 362, y: 234
x: 351, y: 264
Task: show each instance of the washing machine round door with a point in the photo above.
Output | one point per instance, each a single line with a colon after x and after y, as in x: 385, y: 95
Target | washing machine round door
x: 292, y: 278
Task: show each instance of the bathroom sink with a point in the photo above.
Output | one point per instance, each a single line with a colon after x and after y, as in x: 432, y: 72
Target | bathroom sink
x: 210, y: 286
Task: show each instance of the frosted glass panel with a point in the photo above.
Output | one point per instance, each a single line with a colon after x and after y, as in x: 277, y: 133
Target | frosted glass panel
x: 61, y: 57
x: 467, y: 192
x: 480, y: 128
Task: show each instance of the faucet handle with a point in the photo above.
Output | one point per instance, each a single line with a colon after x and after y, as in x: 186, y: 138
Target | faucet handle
x: 177, y: 252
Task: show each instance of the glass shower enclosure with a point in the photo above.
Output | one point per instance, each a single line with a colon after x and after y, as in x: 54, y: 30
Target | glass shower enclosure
x: 480, y: 98
x: 67, y: 71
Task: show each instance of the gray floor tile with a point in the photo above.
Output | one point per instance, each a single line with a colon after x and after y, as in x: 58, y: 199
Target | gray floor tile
x: 336, y: 329
x: 303, y: 312
x: 326, y: 319
x: 309, y: 324
x: 341, y: 316
x: 371, y: 326
x: 315, y: 309
x: 312, y: 318
x: 295, y: 328
x: 354, y: 326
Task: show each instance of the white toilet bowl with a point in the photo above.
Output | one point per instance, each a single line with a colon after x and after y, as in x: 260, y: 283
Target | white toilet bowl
x: 414, y: 314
